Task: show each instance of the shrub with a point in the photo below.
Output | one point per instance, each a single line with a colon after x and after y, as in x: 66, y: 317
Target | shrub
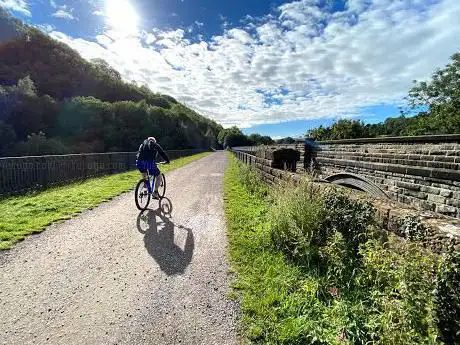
x: 413, y: 229
x: 397, y: 281
x: 349, y: 217
x: 447, y: 298
x: 252, y: 180
x: 296, y: 218
x: 304, y: 218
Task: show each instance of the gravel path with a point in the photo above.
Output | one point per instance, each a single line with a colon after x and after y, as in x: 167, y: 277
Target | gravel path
x: 114, y: 276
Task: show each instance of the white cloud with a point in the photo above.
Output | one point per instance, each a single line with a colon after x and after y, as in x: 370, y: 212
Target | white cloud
x: 20, y: 6
x: 309, y: 63
x: 240, y: 35
x: 64, y: 14
x: 98, y: 13
x: 46, y: 27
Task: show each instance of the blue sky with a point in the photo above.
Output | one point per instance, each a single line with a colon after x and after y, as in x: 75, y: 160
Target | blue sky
x: 275, y: 67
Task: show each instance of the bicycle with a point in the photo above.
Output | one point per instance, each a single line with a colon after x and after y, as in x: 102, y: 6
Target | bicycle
x: 145, y: 189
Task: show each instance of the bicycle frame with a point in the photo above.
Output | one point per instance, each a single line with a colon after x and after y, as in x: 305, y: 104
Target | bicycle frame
x: 151, y: 183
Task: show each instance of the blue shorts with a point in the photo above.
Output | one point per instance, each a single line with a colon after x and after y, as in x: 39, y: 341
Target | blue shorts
x: 151, y: 166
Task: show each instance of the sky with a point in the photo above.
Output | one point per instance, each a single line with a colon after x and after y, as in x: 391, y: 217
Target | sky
x: 273, y: 67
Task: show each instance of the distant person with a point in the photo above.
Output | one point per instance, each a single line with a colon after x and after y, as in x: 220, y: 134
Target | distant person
x: 311, y: 147
x: 146, y: 161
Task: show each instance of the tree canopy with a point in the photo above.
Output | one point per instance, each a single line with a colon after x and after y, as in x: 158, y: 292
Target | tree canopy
x: 233, y: 136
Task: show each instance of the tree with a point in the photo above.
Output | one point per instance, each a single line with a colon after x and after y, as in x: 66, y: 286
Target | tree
x: 105, y: 69
x: 26, y: 86
x: 257, y: 139
x: 38, y: 144
x: 441, y: 96
x: 287, y: 140
x: 7, y: 137
x: 236, y: 139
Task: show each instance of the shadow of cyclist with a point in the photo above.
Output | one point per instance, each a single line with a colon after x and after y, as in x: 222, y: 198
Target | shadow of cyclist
x: 159, y: 239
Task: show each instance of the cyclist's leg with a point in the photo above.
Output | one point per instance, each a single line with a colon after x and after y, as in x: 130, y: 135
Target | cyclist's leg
x: 155, y: 172
x: 141, y: 166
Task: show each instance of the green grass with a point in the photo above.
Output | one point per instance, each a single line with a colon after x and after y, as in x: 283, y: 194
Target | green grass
x: 265, y: 281
x: 382, y: 296
x: 32, y: 213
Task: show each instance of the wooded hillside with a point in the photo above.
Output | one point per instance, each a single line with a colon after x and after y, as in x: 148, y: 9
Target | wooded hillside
x: 53, y: 101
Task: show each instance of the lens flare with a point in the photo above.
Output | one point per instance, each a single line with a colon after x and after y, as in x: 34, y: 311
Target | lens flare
x: 121, y: 17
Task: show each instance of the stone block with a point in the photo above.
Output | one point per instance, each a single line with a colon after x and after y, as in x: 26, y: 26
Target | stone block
x: 437, y: 152
x: 427, y: 206
x: 389, y: 182
x: 443, y: 174
x: 395, y: 168
x: 403, y: 199
x: 427, y: 158
x: 446, y: 193
x: 453, y: 202
x: 430, y: 190
x: 419, y: 171
x: 409, y: 186
x: 436, y: 199
x: 446, y: 209
x: 441, y: 165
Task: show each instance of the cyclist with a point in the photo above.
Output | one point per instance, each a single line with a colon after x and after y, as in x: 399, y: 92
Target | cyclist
x: 146, y: 161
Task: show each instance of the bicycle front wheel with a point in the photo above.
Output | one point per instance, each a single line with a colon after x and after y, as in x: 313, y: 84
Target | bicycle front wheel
x: 142, y: 195
x: 162, y: 186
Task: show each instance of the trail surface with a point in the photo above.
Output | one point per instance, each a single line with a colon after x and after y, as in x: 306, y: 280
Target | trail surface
x: 114, y: 276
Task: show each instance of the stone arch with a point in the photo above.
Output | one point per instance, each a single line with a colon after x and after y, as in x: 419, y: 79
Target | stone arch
x: 357, y: 182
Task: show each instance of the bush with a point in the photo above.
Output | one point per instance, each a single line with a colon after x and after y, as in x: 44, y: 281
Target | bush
x: 349, y: 217
x: 397, y: 281
x: 447, y: 299
x: 296, y: 218
x: 39, y: 144
x: 304, y: 218
x: 252, y: 181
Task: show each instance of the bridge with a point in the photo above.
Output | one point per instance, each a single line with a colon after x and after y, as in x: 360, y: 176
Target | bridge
x: 422, y: 172
x: 411, y: 180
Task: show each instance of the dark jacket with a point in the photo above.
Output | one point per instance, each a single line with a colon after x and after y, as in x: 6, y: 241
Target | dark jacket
x: 149, y: 150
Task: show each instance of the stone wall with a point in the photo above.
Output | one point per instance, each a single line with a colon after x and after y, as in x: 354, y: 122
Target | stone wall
x: 423, y: 172
x: 442, y: 232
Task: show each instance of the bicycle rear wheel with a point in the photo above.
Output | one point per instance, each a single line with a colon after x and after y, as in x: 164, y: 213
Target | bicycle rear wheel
x: 142, y: 195
x: 162, y: 186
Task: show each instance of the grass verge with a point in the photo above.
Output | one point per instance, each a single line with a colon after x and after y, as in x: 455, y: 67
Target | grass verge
x: 311, y: 269
x: 32, y: 213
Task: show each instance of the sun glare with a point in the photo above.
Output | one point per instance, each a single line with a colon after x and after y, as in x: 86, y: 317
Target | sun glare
x: 121, y: 16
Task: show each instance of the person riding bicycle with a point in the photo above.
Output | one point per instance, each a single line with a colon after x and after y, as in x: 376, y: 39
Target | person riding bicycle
x: 146, y: 161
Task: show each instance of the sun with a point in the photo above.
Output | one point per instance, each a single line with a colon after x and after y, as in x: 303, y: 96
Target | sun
x: 121, y: 16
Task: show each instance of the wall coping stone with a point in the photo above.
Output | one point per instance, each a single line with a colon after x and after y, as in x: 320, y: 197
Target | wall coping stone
x: 444, y: 138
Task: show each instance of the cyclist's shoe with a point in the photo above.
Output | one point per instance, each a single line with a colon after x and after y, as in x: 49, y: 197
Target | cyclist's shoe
x: 156, y: 196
